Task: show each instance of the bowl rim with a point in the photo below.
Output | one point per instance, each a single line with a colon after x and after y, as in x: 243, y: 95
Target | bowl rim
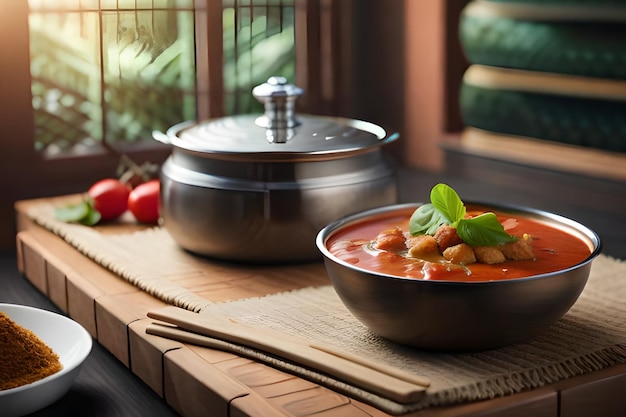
x: 326, y: 232
x: 84, y: 338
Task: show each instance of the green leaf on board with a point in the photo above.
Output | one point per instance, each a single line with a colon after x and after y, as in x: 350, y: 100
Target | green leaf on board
x: 92, y: 218
x: 72, y: 213
x: 83, y: 213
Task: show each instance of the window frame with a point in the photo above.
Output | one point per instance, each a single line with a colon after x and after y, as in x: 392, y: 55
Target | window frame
x: 317, y: 34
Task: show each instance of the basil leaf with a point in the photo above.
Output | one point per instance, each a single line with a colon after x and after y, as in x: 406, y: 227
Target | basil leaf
x: 72, y: 213
x: 82, y: 213
x: 483, y: 230
x: 446, y: 207
x: 425, y: 220
x: 448, y: 202
x: 92, y: 217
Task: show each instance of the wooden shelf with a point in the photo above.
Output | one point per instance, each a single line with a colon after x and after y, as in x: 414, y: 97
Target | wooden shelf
x: 541, y: 154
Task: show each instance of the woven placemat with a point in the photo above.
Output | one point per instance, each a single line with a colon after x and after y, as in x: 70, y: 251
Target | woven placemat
x: 590, y: 337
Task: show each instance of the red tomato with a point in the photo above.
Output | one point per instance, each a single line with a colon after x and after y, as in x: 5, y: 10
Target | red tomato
x: 143, y: 201
x: 110, y: 198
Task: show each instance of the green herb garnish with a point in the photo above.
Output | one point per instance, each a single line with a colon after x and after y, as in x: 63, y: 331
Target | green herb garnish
x: 83, y: 213
x: 446, y: 207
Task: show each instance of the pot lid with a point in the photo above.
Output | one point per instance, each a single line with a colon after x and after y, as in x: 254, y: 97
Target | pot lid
x: 279, y: 133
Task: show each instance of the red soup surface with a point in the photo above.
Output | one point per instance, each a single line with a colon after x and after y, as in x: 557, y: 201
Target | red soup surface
x: 554, y: 249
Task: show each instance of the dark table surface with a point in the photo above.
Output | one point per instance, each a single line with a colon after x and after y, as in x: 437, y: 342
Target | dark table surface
x: 105, y: 387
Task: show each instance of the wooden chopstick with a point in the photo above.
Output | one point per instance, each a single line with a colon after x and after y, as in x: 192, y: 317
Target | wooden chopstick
x: 380, y: 379
x: 380, y: 386
x: 372, y: 364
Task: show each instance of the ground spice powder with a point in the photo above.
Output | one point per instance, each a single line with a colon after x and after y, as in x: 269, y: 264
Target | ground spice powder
x: 24, y: 358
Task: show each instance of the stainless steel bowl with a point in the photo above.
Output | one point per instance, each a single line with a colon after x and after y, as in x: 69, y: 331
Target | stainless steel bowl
x: 457, y: 316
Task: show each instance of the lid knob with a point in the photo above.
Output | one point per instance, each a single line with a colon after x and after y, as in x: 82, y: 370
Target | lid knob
x: 279, y: 99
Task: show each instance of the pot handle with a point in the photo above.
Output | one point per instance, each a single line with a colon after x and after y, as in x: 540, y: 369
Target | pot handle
x: 166, y: 137
x: 161, y: 137
x: 390, y: 138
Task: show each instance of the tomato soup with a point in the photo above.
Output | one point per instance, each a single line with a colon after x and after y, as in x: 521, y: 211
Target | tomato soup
x: 554, y: 249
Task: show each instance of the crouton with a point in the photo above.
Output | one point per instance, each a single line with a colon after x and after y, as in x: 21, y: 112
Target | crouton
x: 460, y: 254
x: 446, y: 236
x: 391, y: 240
x: 521, y: 250
x: 489, y: 255
x: 423, y: 247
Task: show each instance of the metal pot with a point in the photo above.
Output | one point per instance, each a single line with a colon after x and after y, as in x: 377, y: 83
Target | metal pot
x: 259, y: 188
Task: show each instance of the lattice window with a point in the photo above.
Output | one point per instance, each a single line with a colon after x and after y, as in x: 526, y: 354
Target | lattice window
x: 259, y: 40
x: 105, y: 73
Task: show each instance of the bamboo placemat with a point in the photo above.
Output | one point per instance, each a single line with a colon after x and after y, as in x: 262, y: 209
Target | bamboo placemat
x: 592, y: 335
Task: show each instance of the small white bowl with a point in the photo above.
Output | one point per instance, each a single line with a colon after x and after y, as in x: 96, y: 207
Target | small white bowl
x: 67, y: 338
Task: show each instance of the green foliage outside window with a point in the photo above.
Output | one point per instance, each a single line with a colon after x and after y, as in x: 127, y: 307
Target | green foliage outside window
x: 107, y: 78
x: 255, y: 49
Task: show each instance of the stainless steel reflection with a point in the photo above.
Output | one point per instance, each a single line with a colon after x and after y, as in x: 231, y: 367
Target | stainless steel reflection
x: 268, y: 212
x: 458, y: 316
